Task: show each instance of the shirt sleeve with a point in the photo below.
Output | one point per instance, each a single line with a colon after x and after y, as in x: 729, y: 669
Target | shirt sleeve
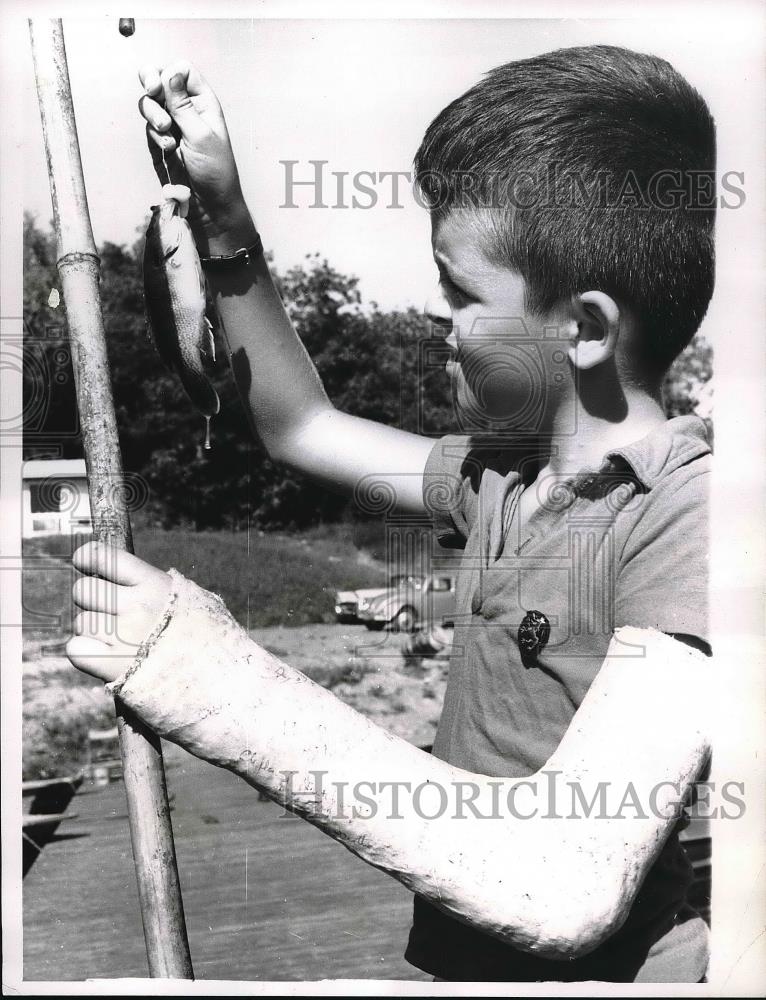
x: 447, y: 491
x: 662, y: 580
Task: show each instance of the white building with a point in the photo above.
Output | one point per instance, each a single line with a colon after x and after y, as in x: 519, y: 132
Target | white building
x: 54, y: 497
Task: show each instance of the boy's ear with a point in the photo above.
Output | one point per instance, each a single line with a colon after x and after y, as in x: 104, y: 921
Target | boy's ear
x: 595, y: 330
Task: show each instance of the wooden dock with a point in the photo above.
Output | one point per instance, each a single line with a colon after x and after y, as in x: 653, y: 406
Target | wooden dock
x: 267, y: 896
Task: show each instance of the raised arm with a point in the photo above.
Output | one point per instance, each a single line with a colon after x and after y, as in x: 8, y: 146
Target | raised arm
x: 288, y: 407
x: 494, y: 852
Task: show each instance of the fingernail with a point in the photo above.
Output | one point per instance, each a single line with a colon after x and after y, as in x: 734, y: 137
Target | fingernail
x: 177, y: 82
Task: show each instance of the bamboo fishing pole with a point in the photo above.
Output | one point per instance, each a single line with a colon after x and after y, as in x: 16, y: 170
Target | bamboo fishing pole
x: 159, y: 891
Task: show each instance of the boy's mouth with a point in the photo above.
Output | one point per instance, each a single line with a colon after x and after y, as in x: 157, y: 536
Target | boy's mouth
x: 453, y: 363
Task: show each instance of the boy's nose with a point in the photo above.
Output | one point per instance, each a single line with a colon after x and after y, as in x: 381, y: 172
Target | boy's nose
x: 437, y: 309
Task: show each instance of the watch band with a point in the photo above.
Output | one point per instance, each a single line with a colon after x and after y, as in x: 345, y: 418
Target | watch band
x: 228, y: 262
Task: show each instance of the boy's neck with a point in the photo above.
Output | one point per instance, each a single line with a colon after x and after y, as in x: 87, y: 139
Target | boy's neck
x: 581, y: 435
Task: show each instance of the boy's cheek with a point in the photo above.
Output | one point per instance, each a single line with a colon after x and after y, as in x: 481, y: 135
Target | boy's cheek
x: 473, y: 409
x: 507, y: 386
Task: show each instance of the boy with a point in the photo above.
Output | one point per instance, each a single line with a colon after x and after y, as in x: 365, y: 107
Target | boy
x: 575, y: 254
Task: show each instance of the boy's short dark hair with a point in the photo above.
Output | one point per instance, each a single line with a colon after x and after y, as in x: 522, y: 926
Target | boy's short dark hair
x: 597, y: 165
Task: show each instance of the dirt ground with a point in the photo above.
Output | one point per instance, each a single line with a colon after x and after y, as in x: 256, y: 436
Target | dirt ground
x: 402, y: 694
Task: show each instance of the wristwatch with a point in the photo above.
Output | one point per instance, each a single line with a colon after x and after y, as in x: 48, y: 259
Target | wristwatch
x: 231, y: 262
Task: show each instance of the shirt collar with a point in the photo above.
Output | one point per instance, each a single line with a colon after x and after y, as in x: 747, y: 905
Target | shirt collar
x: 676, y: 442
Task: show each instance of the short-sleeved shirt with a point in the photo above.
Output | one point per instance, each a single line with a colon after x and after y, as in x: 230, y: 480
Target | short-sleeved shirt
x: 625, y: 543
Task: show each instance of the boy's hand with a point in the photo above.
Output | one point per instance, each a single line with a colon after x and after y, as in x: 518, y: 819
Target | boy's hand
x: 121, y: 598
x: 185, y: 121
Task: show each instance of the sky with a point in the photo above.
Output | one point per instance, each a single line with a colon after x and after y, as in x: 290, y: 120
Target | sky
x: 356, y: 93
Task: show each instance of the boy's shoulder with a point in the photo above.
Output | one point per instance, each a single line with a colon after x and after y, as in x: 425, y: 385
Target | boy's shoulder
x: 676, y: 452
x: 669, y: 468
x: 672, y: 466
x: 662, y: 542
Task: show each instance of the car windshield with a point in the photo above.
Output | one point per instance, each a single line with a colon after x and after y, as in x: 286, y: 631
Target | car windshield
x: 397, y: 582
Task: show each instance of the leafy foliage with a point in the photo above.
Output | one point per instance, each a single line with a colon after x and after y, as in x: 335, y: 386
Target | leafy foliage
x: 688, y: 383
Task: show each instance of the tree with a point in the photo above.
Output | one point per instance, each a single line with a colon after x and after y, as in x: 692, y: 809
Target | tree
x: 687, y: 383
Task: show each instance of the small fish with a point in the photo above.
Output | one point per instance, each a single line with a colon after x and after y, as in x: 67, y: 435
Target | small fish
x: 174, y: 292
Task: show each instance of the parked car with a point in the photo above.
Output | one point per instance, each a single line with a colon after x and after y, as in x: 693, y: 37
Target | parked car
x: 347, y: 602
x: 409, y: 602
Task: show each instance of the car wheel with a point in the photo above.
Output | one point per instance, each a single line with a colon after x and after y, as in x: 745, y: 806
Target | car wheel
x: 404, y: 620
x: 374, y: 626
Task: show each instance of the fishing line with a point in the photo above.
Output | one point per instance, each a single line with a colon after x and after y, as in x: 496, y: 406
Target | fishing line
x: 165, y: 165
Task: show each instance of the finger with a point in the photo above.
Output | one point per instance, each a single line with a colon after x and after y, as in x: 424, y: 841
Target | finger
x: 149, y: 76
x: 96, y: 658
x: 154, y: 114
x: 194, y: 82
x: 171, y: 163
x: 97, y: 625
x: 116, y: 565
x: 92, y: 594
x: 159, y: 143
x: 166, y: 143
x: 179, y: 104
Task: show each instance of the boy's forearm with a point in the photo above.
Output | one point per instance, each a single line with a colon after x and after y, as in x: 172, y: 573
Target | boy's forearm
x: 446, y: 834
x: 274, y: 373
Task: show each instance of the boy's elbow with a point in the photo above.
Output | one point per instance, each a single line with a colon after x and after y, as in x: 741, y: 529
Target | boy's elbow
x: 292, y: 443
x: 561, y: 928
x: 278, y: 447
x: 580, y: 931
x: 562, y: 907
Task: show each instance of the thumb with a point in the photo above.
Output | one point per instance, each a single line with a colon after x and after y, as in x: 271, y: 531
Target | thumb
x: 179, y: 104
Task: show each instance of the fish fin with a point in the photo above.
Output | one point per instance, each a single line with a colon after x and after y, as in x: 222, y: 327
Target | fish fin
x: 170, y: 248
x: 208, y: 339
x: 201, y: 277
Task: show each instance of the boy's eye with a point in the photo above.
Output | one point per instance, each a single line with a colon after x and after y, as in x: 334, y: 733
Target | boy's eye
x: 451, y: 290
